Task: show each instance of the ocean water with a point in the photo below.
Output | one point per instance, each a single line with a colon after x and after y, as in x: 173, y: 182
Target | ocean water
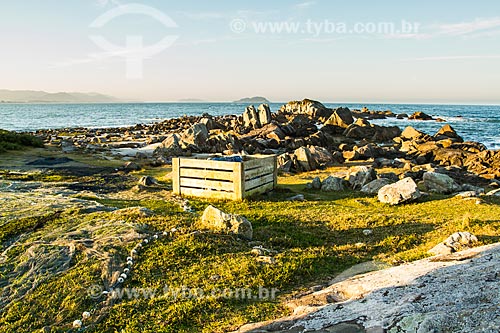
x: 473, y: 122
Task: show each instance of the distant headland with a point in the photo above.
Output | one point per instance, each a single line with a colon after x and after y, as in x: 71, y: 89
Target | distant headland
x: 32, y: 96
x: 256, y: 99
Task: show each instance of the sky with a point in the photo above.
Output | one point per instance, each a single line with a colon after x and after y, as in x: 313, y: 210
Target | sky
x: 332, y: 51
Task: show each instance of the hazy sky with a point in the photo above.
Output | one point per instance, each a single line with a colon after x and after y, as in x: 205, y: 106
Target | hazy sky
x: 339, y: 51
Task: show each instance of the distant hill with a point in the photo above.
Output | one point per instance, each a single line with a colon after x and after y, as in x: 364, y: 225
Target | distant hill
x: 256, y: 99
x: 32, y: 96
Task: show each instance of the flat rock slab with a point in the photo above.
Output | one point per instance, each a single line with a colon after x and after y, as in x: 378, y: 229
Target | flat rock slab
x: 456, y: 293
x: 49, y: 161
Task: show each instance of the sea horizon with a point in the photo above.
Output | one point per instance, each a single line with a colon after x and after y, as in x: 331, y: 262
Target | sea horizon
x: 271, y: 102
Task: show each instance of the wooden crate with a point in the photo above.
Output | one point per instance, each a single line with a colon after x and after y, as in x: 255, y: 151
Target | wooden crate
x: 200, y: 177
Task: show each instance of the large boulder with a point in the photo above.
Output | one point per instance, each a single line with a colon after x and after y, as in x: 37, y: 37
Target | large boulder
x: 362, y: 129
x: 486, y: 164
x: 332, y: 184
x: 410, y: 133
x: 402, y: 191
x: 313, y: 157
x: 264, y: 114
x: 193, y: 139
x: 197, y: 135
x: 456, y: 242
x: 303, y: 157
x: 270, y: 131
x: 311, y: 108
x: 322, y: 157
x: 419, y: 115
x: 360, y: 176
x: 210, y: 123
x: 251, y: 118
x: 447, y: 132
x: 171, y: 146
x: 440, y: 183
x: 450, y: 156
x: 375, y: 185
x: 341, y: 117
x: 223, y: 143
x: 217, y: 220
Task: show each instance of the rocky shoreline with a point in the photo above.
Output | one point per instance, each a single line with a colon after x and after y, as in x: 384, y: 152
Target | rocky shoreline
x: 305, y: 135
x: 75, y: 211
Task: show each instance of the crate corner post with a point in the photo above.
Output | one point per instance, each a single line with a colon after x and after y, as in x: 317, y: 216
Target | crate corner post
x: 176, y: 175
x: 239, y: 180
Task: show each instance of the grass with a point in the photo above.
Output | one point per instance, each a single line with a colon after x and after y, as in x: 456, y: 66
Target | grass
x: 314, y: 241
x: 16, y: 141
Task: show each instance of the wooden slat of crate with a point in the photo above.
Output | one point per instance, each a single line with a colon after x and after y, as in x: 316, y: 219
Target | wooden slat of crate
x: 259, y: 190
x: 206, y: 174
x: 254, y: 183
x: 259, y: 162
x: 205, y: 164
x: 266, y: 169
x: 207, y: 184
x: 196, y: 192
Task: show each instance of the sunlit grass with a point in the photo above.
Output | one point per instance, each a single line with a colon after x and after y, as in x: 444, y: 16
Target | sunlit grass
x: 314, y: 240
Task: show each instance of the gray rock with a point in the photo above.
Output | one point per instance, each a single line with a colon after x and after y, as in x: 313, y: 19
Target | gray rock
x: 404, y: 190
x: 251, y: 118
x: 194, y: 138
x: 460, y: 240
x: 147, y: 181
x: 456, y: 242
x: 440, y: 183
x: 171, y: 146
x: 332, y: 184
x: 389, y: 175
x: 264, y: 114
x: 467, y: 194
x: 313, y: 109
x: 468, y: 187
x: 360, y: 176
x: 321, y: 156
x: 298, y: 197
x: 131, y: 166
x: 447, y: 132
x: 303, y: 156
x: 197, y: 135
x: 410, y: 133
x: 374, y: 186
x: 209, y: 123
x: 316, y: 183
x: 419, y: 115
x: 217, y: 220
x: 341, y: 117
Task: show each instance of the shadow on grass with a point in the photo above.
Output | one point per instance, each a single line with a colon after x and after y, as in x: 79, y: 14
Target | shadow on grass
x: 488, y: 239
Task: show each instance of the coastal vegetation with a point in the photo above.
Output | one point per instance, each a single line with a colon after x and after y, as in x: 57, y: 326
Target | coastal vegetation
x: 56, y: 251
x: 15, y: 141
